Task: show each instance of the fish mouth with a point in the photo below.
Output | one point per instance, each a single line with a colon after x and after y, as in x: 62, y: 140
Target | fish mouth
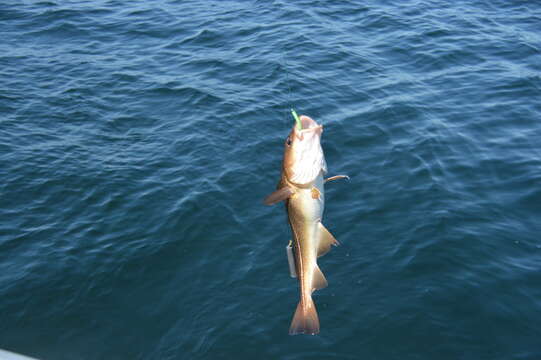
x: 308, y: 160
x: 309, y: 127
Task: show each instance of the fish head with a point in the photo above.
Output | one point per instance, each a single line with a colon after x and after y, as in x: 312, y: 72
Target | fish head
x: 303, y: 155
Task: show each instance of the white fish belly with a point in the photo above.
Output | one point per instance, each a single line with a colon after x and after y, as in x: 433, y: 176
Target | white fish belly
x: 313, y: 208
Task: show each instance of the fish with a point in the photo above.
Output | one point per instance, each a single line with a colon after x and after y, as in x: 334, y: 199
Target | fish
x: 301, y: 187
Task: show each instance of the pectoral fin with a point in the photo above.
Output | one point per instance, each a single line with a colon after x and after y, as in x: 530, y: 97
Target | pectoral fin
x: 279, y: 195
x: 336, y: 177
x: 316, y: 194
x: 325, y: 240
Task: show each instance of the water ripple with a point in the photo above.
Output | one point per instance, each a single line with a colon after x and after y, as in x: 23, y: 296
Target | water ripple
x: 137, y: 141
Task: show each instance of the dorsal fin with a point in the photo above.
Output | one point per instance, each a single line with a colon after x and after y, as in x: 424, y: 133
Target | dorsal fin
x: 318, y: 280
x: 325, y: 240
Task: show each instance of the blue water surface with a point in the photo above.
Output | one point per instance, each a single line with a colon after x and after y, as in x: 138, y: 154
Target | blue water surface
x: 138, y: 139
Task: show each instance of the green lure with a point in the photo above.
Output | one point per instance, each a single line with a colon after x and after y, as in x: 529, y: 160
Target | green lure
x: 299, y: 124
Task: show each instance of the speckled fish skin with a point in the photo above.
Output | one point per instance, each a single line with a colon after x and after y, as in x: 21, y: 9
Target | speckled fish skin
x: 302, y: 188
x: 304, y: 214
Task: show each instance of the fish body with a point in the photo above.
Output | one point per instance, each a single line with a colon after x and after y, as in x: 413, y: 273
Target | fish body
x: 301, y: 187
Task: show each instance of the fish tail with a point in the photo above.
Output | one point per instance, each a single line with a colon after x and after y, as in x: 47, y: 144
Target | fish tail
x: 305, y: 320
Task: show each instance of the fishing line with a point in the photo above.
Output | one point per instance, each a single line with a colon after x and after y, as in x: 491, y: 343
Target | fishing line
x: 289, y: 92
x: 293, y: 112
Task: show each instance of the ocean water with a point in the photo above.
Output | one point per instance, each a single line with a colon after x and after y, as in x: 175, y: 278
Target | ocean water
x: 138, y: 139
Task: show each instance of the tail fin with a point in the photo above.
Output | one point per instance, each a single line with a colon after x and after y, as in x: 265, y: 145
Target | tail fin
x: 305, y: 320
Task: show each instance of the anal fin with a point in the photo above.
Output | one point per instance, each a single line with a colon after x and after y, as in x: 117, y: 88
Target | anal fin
x: 325, y: 240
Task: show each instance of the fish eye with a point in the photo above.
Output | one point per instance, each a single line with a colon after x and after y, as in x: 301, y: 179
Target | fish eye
x: 288, y: 141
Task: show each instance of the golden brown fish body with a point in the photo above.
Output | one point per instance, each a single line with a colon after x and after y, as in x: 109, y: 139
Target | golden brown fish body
x: 304, y: 210
x: 302, y: 188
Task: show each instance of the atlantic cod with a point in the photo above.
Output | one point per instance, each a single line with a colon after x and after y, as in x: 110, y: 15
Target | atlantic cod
x: 301, y: 187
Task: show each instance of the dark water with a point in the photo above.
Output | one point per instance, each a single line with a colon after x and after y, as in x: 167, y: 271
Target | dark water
x: 137, y: 140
